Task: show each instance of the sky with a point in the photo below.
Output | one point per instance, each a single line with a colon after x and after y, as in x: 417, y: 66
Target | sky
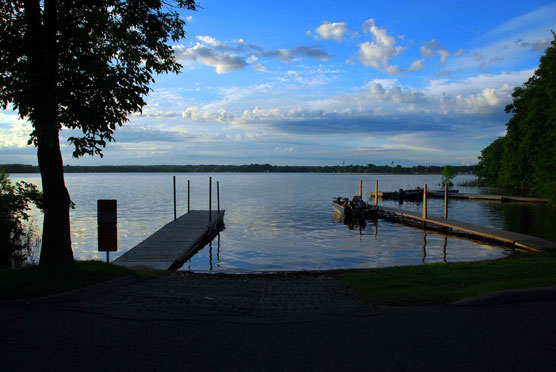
x: 328, y: 83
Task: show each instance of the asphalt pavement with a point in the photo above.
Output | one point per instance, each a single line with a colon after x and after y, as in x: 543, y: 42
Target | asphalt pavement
x: 299, y: 322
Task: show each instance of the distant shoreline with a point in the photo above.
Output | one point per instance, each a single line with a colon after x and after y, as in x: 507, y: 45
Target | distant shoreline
x: 251, y: 168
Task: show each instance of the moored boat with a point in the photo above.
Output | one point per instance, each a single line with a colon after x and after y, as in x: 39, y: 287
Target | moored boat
x: 355, y: 208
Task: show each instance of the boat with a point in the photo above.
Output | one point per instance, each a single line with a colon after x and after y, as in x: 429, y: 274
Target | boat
x: 354, y: 209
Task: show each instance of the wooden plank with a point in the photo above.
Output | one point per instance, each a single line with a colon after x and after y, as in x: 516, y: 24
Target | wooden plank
x: 507, y: 237
x: 174, y: 242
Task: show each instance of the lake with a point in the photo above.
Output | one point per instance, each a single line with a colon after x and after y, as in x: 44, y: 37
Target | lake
x: 284, y: 221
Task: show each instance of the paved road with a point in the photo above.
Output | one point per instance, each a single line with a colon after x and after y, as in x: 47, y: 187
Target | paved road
x: 198, y: 322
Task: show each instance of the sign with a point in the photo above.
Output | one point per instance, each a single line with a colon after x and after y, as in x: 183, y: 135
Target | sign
x: 107, y: 220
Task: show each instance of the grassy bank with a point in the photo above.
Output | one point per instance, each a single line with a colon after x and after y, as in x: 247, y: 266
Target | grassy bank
x: 441, y: 283
x: 33, y: 281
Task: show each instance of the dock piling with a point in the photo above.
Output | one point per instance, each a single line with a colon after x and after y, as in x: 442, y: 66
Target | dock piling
x: 360, y: 188
x: 175, y: 211
x: 188, y: 196
x: 424, y: 203
x: 218, y: 195
x: 210, y: 199
x: 376, y: 193
x: 446, y: 200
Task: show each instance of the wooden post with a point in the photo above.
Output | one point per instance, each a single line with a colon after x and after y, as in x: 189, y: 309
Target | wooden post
x: 360, y: 188
x: 425, y: 203
x: 444, y: 249
x: 423, y: 245
x: 218, y: 195
x: 188, y: 196
x: 376, y: 193
x: 210, y: 199
x: 446, y: 200
x: 175, y: 212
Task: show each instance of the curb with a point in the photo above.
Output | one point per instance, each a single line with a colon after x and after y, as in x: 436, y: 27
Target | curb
x: 510, y: 297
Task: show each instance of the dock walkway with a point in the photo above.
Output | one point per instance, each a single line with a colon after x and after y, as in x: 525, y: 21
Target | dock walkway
x: 464, y: 228
x: 457, y: 195
x: 174, y: 243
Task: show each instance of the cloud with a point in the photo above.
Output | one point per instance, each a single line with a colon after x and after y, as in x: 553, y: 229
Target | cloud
x: 429, y: 48
x: 237, y: 55
x: 458, y: 52
x: 195, y: 113
x: 252, y: 59
x: 378, y: 52
x: 289, y: 55
x: 535, y: 46
x: 260, y: 68
x: 417, y: 65
x: 331, y: 31
x: 220, y: 61
x: 209, y: 40
x: 14, y: 132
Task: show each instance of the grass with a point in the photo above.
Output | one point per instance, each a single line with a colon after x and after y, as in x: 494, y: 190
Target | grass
x: 441, y: 283
x: 33, y: 281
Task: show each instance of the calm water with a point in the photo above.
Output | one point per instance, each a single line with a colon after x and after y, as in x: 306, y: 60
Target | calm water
x: 285, y: 221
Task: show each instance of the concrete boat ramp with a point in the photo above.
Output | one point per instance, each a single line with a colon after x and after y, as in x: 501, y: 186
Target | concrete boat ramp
x: 175, y: 243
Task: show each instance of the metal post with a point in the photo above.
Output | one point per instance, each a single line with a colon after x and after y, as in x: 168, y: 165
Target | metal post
x: 107, y: 256
x: 425, y: 203
x: 175, y: 212
x: 218, y: 195
x: 446, y: 200
x: 376, y: 193
x: 210, y: 199
x: 188, y: 196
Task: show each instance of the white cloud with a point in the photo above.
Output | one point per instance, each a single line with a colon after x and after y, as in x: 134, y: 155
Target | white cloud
x: 417, y: 65
x: 14, y: 132
x: 260, y: 68
x: 252, y: 59
x: 220, y: 61
x: 209, y: 40
x: 378, y: 52
x: 331, y: 31
x: 458, y: 52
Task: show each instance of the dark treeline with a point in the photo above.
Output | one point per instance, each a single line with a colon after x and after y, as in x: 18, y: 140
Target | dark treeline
x: 525, y: 157
x: 369, y: 168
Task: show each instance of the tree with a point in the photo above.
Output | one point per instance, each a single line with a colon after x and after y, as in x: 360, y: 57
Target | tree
x: 526, y: 156
x: 490, y: 161
x: 14, y: 205
x: 83, y: 65
x: 448, y: 173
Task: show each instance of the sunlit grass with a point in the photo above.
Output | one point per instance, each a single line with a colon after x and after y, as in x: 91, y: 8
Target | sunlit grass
x: 441, y: 283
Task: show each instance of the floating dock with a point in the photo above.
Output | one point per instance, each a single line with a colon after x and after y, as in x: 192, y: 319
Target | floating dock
x: 459, y: 228
x: 175, y: 243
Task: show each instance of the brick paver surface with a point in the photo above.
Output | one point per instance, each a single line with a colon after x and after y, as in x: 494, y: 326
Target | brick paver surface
x: 253, y: 298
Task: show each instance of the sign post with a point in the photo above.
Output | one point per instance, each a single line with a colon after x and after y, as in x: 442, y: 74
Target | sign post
x: 107, y: 221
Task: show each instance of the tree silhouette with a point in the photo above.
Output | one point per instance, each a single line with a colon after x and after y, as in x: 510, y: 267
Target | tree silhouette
x: 86, y: 66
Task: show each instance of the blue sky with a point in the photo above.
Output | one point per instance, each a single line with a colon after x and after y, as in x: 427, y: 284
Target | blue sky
x: 327, y: 82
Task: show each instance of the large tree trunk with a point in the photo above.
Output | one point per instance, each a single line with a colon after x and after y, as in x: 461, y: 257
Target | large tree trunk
x: 56, y: 240
x: 43, y: 63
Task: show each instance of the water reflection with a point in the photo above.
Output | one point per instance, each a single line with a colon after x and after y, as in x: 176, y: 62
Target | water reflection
x: 278, y: 221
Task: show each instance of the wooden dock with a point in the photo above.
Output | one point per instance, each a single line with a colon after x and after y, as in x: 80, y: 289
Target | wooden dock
x: 175, y: 243
x: 460, y: 228
x: 457, y: 195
